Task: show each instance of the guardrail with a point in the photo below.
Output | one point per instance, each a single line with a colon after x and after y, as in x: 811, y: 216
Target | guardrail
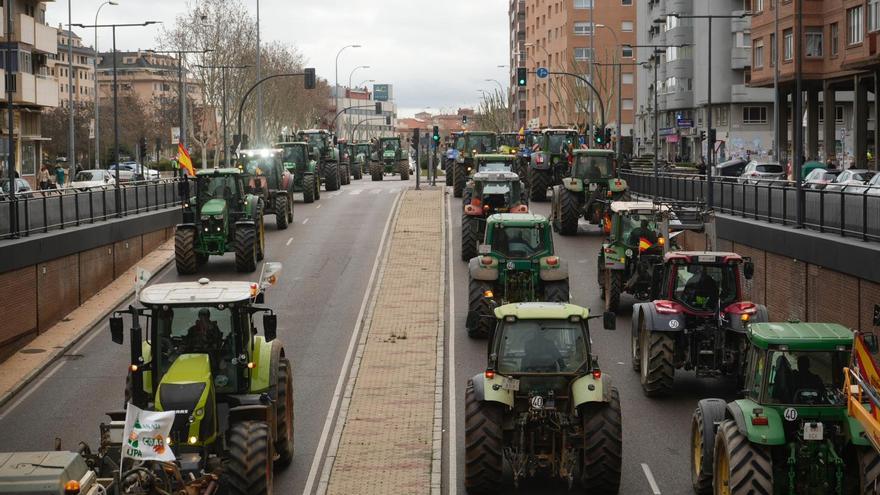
x: 51, y: 209
x: 851, y: 212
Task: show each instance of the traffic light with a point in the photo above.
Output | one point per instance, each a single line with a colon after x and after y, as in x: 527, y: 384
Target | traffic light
x: 142, y: 148
x: 415, y: 138
x: 711, y: 136
x: 599, y: 135
x: 608, y: 135
x: 521, y: 73
x: 436, y: 136
x: 702, y: 135
x: 464, y: 119
x: 309, y: 79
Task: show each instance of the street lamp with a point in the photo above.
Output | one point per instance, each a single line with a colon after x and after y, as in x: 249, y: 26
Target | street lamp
x: 97, y: 96
x: 336, y: 87
x: 549, y: 106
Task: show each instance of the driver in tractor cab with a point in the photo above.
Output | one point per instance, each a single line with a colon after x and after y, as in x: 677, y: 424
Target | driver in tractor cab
x: 701, y: 290
x: 543, y: 354
x: 204, y: 334
x: 594, y: 172
x: 804, y: 379
x: 642, y: 231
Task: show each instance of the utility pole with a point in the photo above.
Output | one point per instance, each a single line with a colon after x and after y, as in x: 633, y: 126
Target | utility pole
x: 10, y: 95
x: 71, y: 148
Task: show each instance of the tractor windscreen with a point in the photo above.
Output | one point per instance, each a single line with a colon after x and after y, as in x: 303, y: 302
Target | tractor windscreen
x: 363, y: 149
x: 199, y: 330
x: 802, y: 377
x: 640, y: 231
x: 592, y: 167
x: 559, y: 143
x: 392, y: 145
x: 535, y: 346
x: 499, y: 195
x: 518, y: 242
x: 315, y: 140
x: 495, y: 167
x: 459, y: 143
x: 482, y: 144
x: 702, y: 286
x: 509, y: 140
x: 294, y: 154
x: 216, y: 187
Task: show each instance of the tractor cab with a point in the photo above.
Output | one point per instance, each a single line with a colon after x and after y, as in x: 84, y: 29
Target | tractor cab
x: 219, y: 196
x: 495, y: 163
x: 295, y: 155
x: 361, y: 152
x: 265, y: 168
x: 521, y: 238
x: 508, y: 142
x: 320, y: 142
x: 389, y: 148
x: 550, y: 160
x: 703, y: 283
x: 495, y: 192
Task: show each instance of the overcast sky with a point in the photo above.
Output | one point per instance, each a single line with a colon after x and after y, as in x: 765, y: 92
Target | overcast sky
x: 437, y: 54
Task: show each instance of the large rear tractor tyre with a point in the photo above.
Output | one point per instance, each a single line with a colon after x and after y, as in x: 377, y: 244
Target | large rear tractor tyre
x: 450, y: 166
x: 478, y: 303
x: 568, y: 215
x: 740, y: 466
x: 377, y: 171
x: 331, y: 176
x: 869, y: 471
x: 245, y: 249
x: 656, y: 368
x: 404, y: 171
x: 249, y: 466
x: 357, y: 172
x: 346, y: 175
x: 600, y: 275
x: 613, y: 288
x: 281, y: 212
x: 556, y: 291
x: 522, y: 170
x: 483, y: 444
x: 185, y: 257
x: 459, y: 179
x: 470, y: 236
x: 539, y: 181
x: 284, y: 415
x: 603, y: 446
x: 261, y: 237
x: 708, y: 412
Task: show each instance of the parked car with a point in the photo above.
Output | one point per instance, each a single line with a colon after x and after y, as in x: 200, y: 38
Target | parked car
x: 133, y: 171
x: 761, y: 171
x: 88, y: 179
x: 855, y: 186
x: 850, y: 180
x: 22, y: 189
x: 818, y: 178
x: 730, y: 170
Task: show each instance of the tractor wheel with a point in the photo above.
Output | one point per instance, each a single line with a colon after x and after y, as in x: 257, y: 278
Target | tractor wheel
x: 600, y: 275
x: 346, y: 175
x: 657, y: 350
x: 377, y: 172
x: 470, y: 233
x: 556, y: 291
x: 869, y: 471
x: 708, y: 412
x: 357, y: 172
x: 568, y: 214
x: 483, y: 444
x: 404, y: 171
x: 539, y: 181
x: 290, y: 207
x: 281, y: 212
x: 249, y: 466
x: 185, y: 256
x: 245, y: 248
x: 739, y: 465
x: 459, y: 178
x: 331, y: 176
x: 613, y: 288
x: 478, y: 303
x: 284, y: 415
x: 522, y: 171
x: 635, y: 344
x: 308, y: 189
x: 261, y: 236
x: 603, y: 446
x: 450, y: 166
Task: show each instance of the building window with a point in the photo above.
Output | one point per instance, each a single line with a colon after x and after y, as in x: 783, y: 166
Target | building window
x: 814, y: 37
x: 854, y: 29
x: 838, y: 114
x: 759, y: 5
x: 627, y: 78
x: 582, y: 54
x: 758, y: 54
x: 674, y: 53
x: 626, y: 2
x: 583, y: 4
x: 627, y: 104
x: 627, y: 26
x: 754, y: 115
x: 583, y: 29
x: 834, y: 34
x: 626, y: 51
x: 873, y: 15
x: 787, y: 45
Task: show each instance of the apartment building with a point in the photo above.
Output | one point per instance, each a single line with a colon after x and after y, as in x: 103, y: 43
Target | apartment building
x: 82, y: 66
x: 146, y: 75
x: 361, y: 122
x: 518, y: 96
x: 582, y: 37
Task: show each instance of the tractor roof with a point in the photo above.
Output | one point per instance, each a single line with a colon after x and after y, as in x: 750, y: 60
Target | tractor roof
x: 558, y: 131
x: 389, y: 138
x: 488, y: 157
x: 703, y: 256
x: 218, y: 171
x: 478, y: 133
x: 633, y: 206
x: 203, y: 292
x: 595, y: 152
x: 291, y: 143
x: 495, y: 176
x: 541, y: 311
x: 314, y: 131
x: 262, y: 152
x: 517, y: 219
x: 801, y: 336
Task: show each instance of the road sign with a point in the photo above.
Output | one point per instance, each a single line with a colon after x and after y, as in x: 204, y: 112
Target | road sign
x: 542, y: 72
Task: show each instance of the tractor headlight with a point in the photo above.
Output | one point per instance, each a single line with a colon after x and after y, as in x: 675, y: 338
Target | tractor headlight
x: 199, y: 412
x: 629, y: 252
x: 193, y: 440
x: 205, y: 218
x: 218, y: 217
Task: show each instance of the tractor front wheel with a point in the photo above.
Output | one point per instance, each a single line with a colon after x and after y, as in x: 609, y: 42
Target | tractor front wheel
x: 309, y: 189
x: 245, y: 249
x: 657, y: 371
x: 249, y: 466
x: 450, y: 165
x: 603, y: 445
x: 470, y: 233
x: 613, y: 288
x: 556, y: 291
x: 539, y: 181
x: 357, y: 172
x: 261, y: 236
x: 459, y: 178
x: 284, y: 414
x: 185, y: 257
x: 377, y: 171
x: 568, y: 212
x: 483, y: 444
x: 709, y: 412
x: 281, y: 212
x: 331, y: 176
x: 403, y: 167
x: 739, y: 465
x: 480, y: 304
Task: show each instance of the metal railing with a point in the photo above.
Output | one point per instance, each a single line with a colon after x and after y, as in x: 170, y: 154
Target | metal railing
x: 40, y: 211
x: 853, y: 211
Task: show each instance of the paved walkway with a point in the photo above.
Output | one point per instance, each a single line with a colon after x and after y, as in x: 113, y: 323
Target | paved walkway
x: 389, y: 440
x: 27, y: 364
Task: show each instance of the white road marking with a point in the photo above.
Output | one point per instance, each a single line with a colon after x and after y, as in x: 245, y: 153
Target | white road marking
x: 355, y: 192
x: 452, y: 435
x: 317, y: 207
x: 305, y: 221
x: 344, y: 369
x: 394, y: 191
x: 651, y: 481
x: 289, y: 241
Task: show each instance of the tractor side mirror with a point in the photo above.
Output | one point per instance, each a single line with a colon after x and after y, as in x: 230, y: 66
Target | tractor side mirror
x: 609, y: 320
x: 270, y: 326
x: 116, y: 329
x: 748, y: 269
x: 870, y: 342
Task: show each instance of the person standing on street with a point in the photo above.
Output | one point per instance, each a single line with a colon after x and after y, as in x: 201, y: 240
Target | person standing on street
x: 44, y: 178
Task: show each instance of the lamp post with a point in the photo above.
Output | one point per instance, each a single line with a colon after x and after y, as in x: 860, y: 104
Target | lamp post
x: 350, y: 74
x: 223, y: 69
x: 97, y: 96
x: 619, y: 87
x: 549, y: 106
x: 116, y: 100
x: 620, y: 66
x: 259, y: 126
x: 336, y: 87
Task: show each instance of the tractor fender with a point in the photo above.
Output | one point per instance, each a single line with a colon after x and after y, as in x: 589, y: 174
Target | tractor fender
x: 250, y: 412
x: 760, y: 316
x: 656, y: 322
x: 182, y: 226
x: 554, y: 273
x: 573, y: 184
x: 772, y: 433
x: 491, y: 390
x: 479, y: 271
x: 856, y: 432
x: 589, y: 389
x: 252, y: 204
x: 267, y: 355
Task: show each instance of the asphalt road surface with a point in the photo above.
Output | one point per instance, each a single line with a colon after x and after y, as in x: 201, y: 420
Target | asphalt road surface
x: 656, y: 432
x: 328, y: 254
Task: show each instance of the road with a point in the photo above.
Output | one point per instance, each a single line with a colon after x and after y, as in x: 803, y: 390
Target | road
x: 656, y: 432
x: 327, y: 253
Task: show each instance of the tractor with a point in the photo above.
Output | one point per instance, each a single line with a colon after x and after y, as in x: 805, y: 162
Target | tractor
x: 790, y: 433
x: 469, y: 144
x: 270, y: 180
x: 489, y: 163
x: 543, y: 406
x: 221, y: 218
x: 586, y: 191
x: 296, y: 159
x: 549, y: 163
x: 322, y: 151
x: 516, y: 264
x: 696, y: 320
x: 389, y: 158
x: 345, y: 167
x: 489, y: 193
x: 360, y: 159
x: 231, y: 389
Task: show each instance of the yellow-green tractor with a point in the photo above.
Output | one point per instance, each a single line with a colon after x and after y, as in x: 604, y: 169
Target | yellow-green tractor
x: 231, y: 389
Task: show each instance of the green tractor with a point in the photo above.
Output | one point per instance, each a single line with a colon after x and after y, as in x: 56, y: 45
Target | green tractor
x: 488, y: 193
x: 543, y: 406
x: 296, y: 159
x: 345, y: 167
x: 359, y: 156
x: 327, y: 156
x: 389, y: 158
x: 790, y: 433
x: 516, y: 264
x: 495, y: 162
x: 231, y: 389
x: 550, y: 163
x: 586, y: 191
x: 221, y: 218
x: 469, y: 144
x: 270, y: 180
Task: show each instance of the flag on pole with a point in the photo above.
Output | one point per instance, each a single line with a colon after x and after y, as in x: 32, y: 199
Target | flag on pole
x: 184, y: 160
x: 146, y: 435
x: 644, y: 244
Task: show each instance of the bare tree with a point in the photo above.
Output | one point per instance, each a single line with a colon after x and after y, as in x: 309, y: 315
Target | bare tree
x: 493, y: 114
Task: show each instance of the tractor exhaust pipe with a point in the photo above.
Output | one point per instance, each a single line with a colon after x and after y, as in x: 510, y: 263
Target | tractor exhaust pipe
x: 137, y: 360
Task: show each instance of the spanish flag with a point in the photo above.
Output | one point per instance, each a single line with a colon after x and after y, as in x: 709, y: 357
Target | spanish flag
x: 644, y: 244
x: 184, y: 160
x: 864, y: 363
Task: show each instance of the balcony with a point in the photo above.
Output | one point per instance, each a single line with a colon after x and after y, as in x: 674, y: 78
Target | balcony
x: 739, y: 24
x: 24, y: 29
x: 45, y: 39
x: 740, y: 57
x: 25, y: 89
x: 47, y: 91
